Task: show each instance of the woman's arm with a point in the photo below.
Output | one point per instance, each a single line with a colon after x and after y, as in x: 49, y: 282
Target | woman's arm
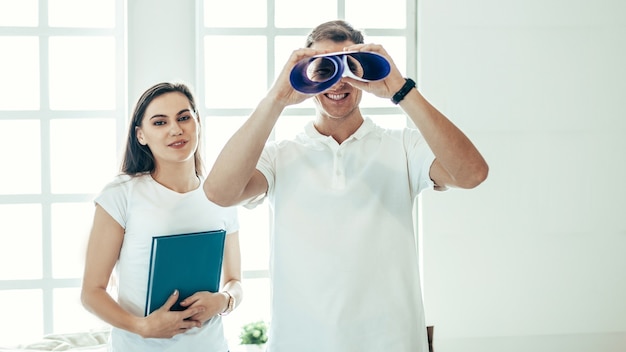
x: 217, y: 302
x: 103, y: 249
x: 232, y: 268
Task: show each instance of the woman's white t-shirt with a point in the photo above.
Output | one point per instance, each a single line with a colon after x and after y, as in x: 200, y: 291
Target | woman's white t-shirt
x: 145, y: 208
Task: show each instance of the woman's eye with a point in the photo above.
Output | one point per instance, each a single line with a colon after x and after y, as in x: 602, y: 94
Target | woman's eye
x: 184, y: 118
x: 159, y: 123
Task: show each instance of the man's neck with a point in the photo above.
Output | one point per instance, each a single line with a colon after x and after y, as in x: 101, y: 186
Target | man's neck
x: 338, y: 128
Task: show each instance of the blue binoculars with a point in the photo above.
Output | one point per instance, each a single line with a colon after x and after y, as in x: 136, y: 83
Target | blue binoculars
x: 320, y: 72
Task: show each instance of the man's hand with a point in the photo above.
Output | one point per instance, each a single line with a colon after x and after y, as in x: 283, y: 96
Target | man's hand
x: 282, y: 92
x: 384, y: 88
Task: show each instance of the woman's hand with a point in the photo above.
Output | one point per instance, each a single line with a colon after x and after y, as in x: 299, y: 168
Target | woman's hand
x: 211, y: 303
x: 163, y: 323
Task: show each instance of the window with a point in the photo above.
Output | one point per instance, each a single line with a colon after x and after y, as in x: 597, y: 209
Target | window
x: 243, y: 46
x: 62, y: 108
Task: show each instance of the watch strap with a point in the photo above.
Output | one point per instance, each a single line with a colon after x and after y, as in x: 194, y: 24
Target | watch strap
x: 231, y: 303
x: 406, y: 88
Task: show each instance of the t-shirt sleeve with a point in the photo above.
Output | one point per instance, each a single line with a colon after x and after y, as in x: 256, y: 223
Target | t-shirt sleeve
x: 419, y: 160
x: 267, y: 166
x: 114, y: 199
x: 231, y: 223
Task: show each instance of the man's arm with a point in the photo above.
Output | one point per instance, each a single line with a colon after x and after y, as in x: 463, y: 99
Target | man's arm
x: 234, y: 178
x: 457, y: 161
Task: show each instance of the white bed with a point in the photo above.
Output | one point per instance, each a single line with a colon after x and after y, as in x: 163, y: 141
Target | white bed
x: 94, y: 341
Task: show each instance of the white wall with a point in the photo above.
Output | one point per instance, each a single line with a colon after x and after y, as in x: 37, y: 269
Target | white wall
x: 161, y: 44
x: 540, y: 247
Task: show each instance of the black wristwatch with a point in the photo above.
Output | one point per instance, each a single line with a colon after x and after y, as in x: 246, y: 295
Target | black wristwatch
x: 406, y: 88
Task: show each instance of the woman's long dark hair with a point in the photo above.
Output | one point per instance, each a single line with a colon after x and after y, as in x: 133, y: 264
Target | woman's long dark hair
x: 138, y: 158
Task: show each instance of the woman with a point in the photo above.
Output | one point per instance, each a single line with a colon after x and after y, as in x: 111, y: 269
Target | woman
x: 158, y: 193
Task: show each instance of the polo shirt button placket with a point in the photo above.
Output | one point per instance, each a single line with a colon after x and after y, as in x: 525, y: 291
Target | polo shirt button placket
x: 339, y: 178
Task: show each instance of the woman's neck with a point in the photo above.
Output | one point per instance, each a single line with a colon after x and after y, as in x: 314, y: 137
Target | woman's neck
x: 178, y: 179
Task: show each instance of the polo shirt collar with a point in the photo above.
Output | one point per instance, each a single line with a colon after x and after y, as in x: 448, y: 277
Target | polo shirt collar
x: 315, y: 136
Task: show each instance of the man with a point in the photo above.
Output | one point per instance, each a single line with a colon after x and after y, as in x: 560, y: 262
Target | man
x: 344, y: 265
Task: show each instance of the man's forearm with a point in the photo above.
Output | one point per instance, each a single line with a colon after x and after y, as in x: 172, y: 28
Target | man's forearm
x: 235, y: 165
x: 453, y: 150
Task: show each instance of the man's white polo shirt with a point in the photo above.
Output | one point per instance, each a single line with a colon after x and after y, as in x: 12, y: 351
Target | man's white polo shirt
x: 344, y: 264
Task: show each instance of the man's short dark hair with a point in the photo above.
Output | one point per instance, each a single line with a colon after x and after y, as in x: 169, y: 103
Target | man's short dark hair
x: 338, y: 31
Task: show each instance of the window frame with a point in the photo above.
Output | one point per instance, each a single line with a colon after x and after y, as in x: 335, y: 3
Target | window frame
x: 47, y: 283
x: 270, y: 32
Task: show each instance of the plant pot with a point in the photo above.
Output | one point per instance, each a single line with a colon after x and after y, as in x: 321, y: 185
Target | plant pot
x: 253, y: 348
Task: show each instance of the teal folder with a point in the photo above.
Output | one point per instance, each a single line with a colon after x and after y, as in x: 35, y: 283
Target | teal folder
x: 187, y: 262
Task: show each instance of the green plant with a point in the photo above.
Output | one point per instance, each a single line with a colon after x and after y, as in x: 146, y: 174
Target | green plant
x: 254, y: 333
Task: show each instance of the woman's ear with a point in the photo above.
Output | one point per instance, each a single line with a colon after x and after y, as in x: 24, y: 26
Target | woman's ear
x: 139, y: 134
